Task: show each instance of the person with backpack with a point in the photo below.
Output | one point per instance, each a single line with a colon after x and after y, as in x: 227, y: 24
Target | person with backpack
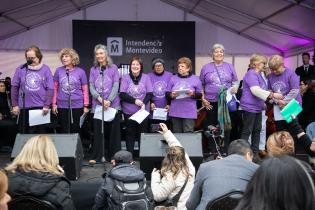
x: 124, y: 187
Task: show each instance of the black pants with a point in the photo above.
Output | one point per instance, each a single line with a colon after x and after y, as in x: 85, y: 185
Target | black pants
x: 63, y: 119
x: 133, y: 132
x: 252, y: 126
x: 8, y: 130
x: 38, y: 129
x: 112, y: 138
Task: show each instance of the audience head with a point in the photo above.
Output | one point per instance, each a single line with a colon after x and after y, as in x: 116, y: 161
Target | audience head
x: 276, y: 64
x: 101, y: 56
x: 158, y: 65
x: 34, y: 54
x: 136, y: 66
x: 2, y: 87
x: 184, y: 66
x: 280, y: 143
x: 280, y: 183
x: 241, y: 147
x: 38, y: 154
x: 4, y: 197
x: 306, y: 58
x: 122, y: 157
x: 218, y: 53
x: 69, y: 56
x: 258, y: 62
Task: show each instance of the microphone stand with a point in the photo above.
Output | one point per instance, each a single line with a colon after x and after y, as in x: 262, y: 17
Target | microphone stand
x: 23, y: 101
x: 102, y: 96
x: 70, y: 117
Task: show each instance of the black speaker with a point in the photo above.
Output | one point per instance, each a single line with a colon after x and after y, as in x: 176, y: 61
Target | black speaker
x: 69, y: 149
x: 153, y: 149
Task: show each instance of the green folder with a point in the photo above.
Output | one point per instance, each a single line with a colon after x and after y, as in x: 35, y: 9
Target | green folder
x: 293, y: 108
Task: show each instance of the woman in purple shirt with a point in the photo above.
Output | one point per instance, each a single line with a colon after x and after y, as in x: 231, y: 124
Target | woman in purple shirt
x: 70, y: 91
x: 214, y: 75
x: 253, y: 100
x: 104, y: 85
x: 135, y: 94
x: 33, y: 82
x: 183, y: 90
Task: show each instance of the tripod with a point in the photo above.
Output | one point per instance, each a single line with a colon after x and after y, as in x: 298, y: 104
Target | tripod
x: 70, y: 116
x: 102, y: 97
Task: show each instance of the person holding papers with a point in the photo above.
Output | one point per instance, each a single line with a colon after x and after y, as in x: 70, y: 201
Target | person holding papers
x: 135, y: 94
x: 70, y: 91
x: 285, y: 81
x: 183, y: 90
x: 159, y: 103
x: 104, y: 85
x: 32, y: 89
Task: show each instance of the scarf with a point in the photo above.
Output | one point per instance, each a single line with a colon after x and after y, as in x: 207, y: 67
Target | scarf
x: 223, y: 112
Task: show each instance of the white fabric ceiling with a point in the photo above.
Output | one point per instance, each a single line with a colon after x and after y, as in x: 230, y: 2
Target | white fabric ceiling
x: 284, y: 25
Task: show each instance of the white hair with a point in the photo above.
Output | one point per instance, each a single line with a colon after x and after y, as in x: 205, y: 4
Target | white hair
x: 108, y: 58
x: 216, y: 46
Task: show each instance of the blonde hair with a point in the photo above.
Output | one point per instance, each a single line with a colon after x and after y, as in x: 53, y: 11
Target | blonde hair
x: 256, y: 59
x: 38, y: 154
x: 275, y: 62
x: 3, y: 184
x: 73, y: 54
x: 186, y: 61
x: 280, y: 143
x: 175, y: 162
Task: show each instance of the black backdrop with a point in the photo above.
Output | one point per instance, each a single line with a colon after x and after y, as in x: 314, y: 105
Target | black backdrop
x: 147, y: 39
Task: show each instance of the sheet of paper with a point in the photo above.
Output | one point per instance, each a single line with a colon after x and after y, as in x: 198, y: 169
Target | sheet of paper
x: 182, y: 93
x: 36, y: 117
x: 277, y: 113
x: 139, y: 116
x: 159, y: 114
x: 109, y: 113
x: 82, y: 118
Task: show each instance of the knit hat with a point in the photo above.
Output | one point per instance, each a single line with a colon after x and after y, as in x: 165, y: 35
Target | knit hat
x: 157, y: 60
x: 123, y: 156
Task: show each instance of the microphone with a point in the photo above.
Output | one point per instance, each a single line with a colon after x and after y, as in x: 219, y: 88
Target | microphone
x: 102, y: 68
x: 67, y: 72
x: 28, y: 62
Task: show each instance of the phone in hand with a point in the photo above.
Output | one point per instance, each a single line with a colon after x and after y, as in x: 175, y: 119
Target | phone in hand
x: 155, y: 128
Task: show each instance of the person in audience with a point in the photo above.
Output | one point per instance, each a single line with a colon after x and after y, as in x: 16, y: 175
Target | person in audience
x: 159, y: 79
x: 253, y: 100
x: 4, y: 197
x: 307, y: 116
x: 213, y: 76
x: 36, y: 172
x: 218, y: 177
x: 105, y: 92
x: 183, y: 90
x: 124, y: 171
x: 177, y: 171
x: 283, y: 81
x: 280, y: 183
x: 280, y: 143
x: 35, y: 81
x: 135, y: 94
x: 70, y: 91
x: 307, y: 71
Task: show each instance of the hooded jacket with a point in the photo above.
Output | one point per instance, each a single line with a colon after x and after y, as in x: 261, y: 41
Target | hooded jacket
x: 42, y: 185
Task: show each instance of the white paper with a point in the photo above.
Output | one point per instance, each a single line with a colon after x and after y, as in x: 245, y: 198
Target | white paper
x: 139, y: 116
x: 109, y: 113
x: 82, y: 118
x: 36, y: 117
x: 182, y: 93
x: 230, y: 96
x: 277, y: 113
x: 159, y: 114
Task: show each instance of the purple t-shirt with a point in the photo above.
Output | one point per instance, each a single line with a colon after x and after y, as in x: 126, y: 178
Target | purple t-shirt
x: 111, y: 76
x: 159, y: 83
x: 211, y: 81
x: 184, y: 107
x: 137, y: 91
x: 77, y: 78
x: 250, y: 102
x: 284, y: 82
x: 35, y: 84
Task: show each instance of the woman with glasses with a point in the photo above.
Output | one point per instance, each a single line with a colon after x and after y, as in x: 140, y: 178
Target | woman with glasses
x: 31, y: 88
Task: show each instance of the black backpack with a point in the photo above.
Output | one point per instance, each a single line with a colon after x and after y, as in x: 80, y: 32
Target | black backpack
x: 131, y: 196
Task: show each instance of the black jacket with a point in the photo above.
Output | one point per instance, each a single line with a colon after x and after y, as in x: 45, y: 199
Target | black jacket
x: 123, y: 172
x: 310, y: 75
x: 45, y: 186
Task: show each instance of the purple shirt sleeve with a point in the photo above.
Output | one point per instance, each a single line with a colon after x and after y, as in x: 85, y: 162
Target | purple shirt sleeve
x: 149, y: 85
x: 83, y: 77
x: 15, y: 87
x: 56, y: 76
x: 124, y: 84
x: 49, y: 88
x: 234, y: 75
x: 202, y: 76
x: 251, y: 79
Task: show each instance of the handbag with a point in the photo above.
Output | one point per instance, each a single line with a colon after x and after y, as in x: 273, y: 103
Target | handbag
x: 172, y: 203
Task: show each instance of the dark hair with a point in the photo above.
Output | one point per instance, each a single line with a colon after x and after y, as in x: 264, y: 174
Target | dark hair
x: 139, y: 60
x: 240, y: 147
x: 306, y: 53
x: 280, y: 183
x: 37, y: 51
